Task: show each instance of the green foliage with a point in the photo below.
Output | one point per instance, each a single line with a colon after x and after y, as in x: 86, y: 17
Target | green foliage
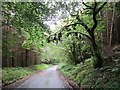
x: 26, y: 19
x: 52, y: 53
x: 42, y: 66
x: 87, y: 77
x: 70, y: 45
x: 9, y: 39
x: 83, y: 27
x: 77, y: 73
x: 12, y: 74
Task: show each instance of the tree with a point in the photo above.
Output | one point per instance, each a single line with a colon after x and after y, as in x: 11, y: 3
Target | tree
x: 24, y: 23
x: 93, y: 10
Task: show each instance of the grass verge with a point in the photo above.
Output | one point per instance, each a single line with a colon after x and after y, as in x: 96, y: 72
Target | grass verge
x: 12, y: 74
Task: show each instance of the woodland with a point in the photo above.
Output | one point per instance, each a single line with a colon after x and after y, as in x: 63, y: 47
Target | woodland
x: 83, y: 38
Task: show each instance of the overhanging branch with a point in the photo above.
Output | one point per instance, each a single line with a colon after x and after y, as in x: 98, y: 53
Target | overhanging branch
x: 100, y: 8
x: 95, y: 14
x: 88, y: 7
x: 82, y: 34
x: 94, y: 17
x: 83, y: 24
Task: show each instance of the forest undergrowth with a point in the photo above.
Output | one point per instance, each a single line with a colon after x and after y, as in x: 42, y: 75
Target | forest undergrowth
x: 107, y: 77
x: 12, y: 74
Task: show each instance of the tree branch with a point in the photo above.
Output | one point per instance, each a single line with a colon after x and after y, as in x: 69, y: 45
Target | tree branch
x: 100, y: 8
x: 83, y: 24
x: 95, y: 14
x: 71, y: 25
x: 88, y: 7
x: 94, y: 17
x: 82, y: 34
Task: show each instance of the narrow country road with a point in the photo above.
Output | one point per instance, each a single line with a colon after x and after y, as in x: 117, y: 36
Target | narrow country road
x: 48, y: 78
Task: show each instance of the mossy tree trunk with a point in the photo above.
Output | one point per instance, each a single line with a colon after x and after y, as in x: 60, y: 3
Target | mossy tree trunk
x: 98, y: 61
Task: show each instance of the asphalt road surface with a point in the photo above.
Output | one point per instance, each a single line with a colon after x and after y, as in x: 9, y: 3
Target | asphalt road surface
x: 48, y: 78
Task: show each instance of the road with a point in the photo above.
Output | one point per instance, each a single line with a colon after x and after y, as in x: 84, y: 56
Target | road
x: 48, y: 78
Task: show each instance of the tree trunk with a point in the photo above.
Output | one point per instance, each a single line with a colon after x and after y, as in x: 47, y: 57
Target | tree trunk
x: 98, y: 61
x: 12, y: 61
x: 26, y: 58
x: 111, y: 28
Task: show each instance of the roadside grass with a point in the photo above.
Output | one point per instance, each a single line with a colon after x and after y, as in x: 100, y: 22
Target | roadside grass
x: 12, y: 74
x: 42, y: 66
x: 85, y: 76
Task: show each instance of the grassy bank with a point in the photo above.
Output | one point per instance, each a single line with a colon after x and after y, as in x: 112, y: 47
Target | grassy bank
x: 108, y: 77
x: 11, y: 74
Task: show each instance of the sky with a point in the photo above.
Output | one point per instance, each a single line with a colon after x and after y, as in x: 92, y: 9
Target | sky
x: 52, y: 24
x: 55, y: 22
